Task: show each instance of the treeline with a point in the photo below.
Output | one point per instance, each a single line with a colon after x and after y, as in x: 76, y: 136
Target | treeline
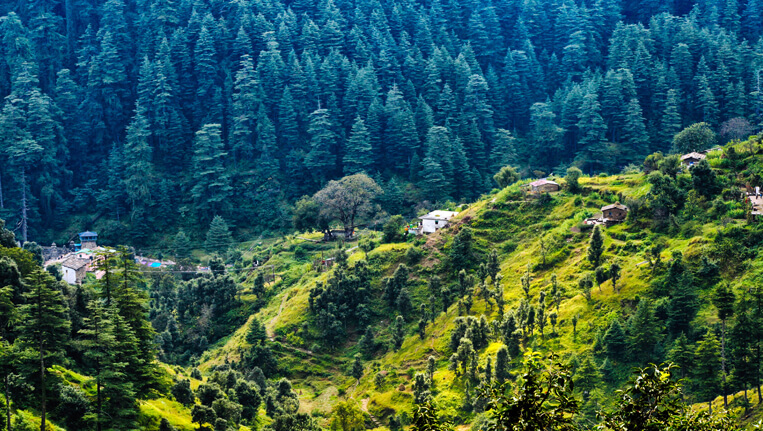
x: 166, y: 113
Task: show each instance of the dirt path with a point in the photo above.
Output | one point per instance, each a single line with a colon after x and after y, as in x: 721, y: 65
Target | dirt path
x: 271, y: 324
x: 364, y: 407
x: 269, y: 328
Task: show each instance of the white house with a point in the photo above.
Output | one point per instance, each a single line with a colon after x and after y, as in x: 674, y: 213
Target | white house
x: 74, y: 269
x: 435, y: 220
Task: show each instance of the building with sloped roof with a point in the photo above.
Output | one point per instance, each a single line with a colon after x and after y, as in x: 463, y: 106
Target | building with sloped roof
x: 74, y: 270
x: 544, y: 185
x: 615, y: 212
x: 435, y: 220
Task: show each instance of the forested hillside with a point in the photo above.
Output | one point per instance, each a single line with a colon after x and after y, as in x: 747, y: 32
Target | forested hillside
x: 151, y: 115
x: 519, y: 309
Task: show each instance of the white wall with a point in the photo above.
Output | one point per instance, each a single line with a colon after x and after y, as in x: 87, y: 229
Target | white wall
x: 429, y: 226
x: 70, y: 275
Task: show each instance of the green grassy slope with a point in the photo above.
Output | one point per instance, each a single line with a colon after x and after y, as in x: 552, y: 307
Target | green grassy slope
x: 514, y: 226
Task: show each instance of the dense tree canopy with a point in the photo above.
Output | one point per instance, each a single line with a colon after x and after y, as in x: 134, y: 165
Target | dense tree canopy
x: 161, y: 113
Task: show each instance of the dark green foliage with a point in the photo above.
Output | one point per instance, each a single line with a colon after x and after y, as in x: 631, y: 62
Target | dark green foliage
x: 398, y: 332
x: 704, y: 180
x: 357, y: 368
x: 43, y: 320
x: 461, y: 253
x: 342, y: 299
x: 595, y: 246
x: 207, y: 109
x: 506, y: 177
x: 615, y: 341
x: 182, y: 392
x: 218, y: 236
x: 425, y: 419
x: 697, y: 137
x: 571, y: 180
x: 653, y: 401
x: 543, y: 399
x: 707, y: 369
x: 643, y: 332
x: 393, y: 229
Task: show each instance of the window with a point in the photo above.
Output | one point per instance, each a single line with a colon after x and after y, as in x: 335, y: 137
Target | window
x: 437, y: 222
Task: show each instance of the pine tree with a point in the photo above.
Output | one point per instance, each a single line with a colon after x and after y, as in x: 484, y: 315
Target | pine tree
x: 643, y: 333
x: 614, y: 274
x: 323, y: 140
x: 635, y: 136
x: 615, y: 341
x: 211, y: 190
x: 724, y: 300
x: 358, y: 152
x: 683, y: 305
x: 592, y: 130
x: 182, y: 245
x: 398, y: 332
x: 219, y: 238
x: 43, y: 327
x: 367, y: 344
x: 682, y: 355
x: 137, y: 161
x: 114, y: 394
x: 670, y: 123
x: 707, y: 369
x: 595, y: 247
x: 246, y: 98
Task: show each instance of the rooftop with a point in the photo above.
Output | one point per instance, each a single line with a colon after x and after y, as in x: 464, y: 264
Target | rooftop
x: 693, y: 155
x: 542, y: 181
x: 75, y: 263
x: 87, y: 233
x: 617, y: 205
x: 439, y: 215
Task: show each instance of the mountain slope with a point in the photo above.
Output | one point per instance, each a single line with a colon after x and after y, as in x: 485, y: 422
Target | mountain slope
x: 519, y: 228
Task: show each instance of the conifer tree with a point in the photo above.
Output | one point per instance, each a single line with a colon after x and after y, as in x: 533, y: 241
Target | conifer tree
x: 595, y: 247
x: 724, y: 300
x: 635, y: 136
x: 321, y: 160
x: 643, y: 333
x: 211, y: 180
x: 707, y: 369
x: 219, y: 238
x: 615, y: 340
x: 358, y: 152
x: 182, y: 245
x: 43, y: 328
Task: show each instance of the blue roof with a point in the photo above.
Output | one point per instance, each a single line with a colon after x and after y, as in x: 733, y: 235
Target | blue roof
x: 88, y: 234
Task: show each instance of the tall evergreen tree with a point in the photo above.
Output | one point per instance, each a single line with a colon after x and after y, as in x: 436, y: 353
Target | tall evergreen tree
x: 211, y: 190
x: 43, y: 325
x: 358, y: 155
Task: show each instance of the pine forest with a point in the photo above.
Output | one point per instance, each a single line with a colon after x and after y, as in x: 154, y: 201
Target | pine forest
x: 390, y: 215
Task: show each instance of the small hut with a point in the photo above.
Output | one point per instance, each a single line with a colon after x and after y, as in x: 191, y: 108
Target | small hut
x: 614, y: 213
x: 435, y: 220
x: 692, y: 158
x: 74, y: 270
x: 544, y: 185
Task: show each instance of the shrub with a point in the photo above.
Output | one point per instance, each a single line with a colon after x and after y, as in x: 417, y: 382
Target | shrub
x: 413, y: 255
